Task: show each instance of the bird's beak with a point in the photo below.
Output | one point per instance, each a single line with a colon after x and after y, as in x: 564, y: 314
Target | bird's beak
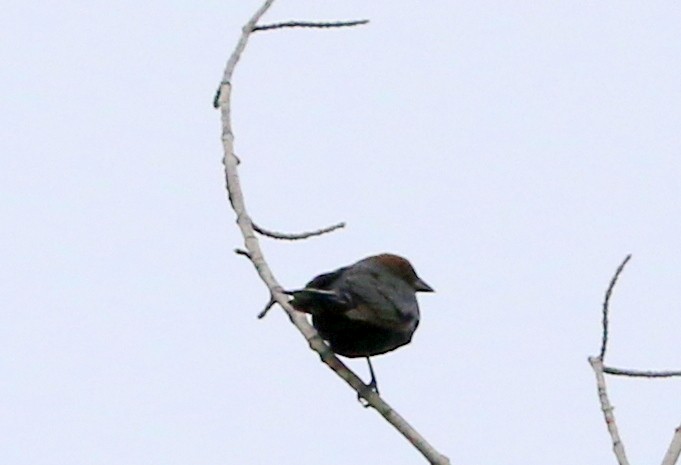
x: 421, y: 286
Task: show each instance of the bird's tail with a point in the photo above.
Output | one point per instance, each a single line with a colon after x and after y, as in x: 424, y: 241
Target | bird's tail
x: 310, y: 300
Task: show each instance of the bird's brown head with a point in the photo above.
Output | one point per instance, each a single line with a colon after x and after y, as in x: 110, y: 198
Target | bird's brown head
x: 401, y: 268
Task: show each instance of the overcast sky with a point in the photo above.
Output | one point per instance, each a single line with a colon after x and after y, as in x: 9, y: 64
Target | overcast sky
x: 515, y: 152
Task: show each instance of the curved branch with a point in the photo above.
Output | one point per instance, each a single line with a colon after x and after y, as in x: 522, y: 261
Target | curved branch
x: 298, y: 236
x: 255, y: 255
x: 606, y: 305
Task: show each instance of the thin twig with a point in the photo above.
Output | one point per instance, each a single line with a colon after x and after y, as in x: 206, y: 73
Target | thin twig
x: 606, y: 305
x: 252, y: 245
x: 242, y: 252
x: 313, y: 24
x: 674, y: 450
x: 606, y: 407
x: 641, y: 373
x: 269, y: 305
x: 298, y: 236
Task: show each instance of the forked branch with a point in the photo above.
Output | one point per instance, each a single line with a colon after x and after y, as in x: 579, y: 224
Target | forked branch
x: 600, y: 370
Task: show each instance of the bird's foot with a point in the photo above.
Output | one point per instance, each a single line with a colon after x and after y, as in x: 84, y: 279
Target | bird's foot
x: 372, y: 386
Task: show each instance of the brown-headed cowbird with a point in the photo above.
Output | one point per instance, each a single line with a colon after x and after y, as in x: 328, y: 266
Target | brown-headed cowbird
x: 364, y: 309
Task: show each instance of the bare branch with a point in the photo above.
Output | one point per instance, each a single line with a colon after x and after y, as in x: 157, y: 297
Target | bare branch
x: 269, y: 305
x: 312, y: 24
x: 641, y: 373
x: 674, y: 449
x: 607, y: 408
x: 252, y: 246
x: 672, y: 455
x: 242, y: 252
x: 295, y: 237
x: 606, y: 305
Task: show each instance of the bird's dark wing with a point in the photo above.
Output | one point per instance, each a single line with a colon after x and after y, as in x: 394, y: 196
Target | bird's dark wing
x: 326, y: 280
x: 380, y: 299
x: 320, y: 295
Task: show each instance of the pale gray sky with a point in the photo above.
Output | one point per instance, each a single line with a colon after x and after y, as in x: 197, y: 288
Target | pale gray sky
x: 515, y: 152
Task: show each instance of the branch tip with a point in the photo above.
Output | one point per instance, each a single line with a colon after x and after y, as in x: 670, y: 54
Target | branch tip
x: 606, y: 305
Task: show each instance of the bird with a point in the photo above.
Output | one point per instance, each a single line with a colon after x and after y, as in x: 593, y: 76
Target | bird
x: 364, y: 309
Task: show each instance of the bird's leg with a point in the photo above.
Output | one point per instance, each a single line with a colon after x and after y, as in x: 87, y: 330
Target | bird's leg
x: 373, y: 385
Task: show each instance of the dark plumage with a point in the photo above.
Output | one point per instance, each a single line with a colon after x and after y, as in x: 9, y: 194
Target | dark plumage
x: 364, y: 309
